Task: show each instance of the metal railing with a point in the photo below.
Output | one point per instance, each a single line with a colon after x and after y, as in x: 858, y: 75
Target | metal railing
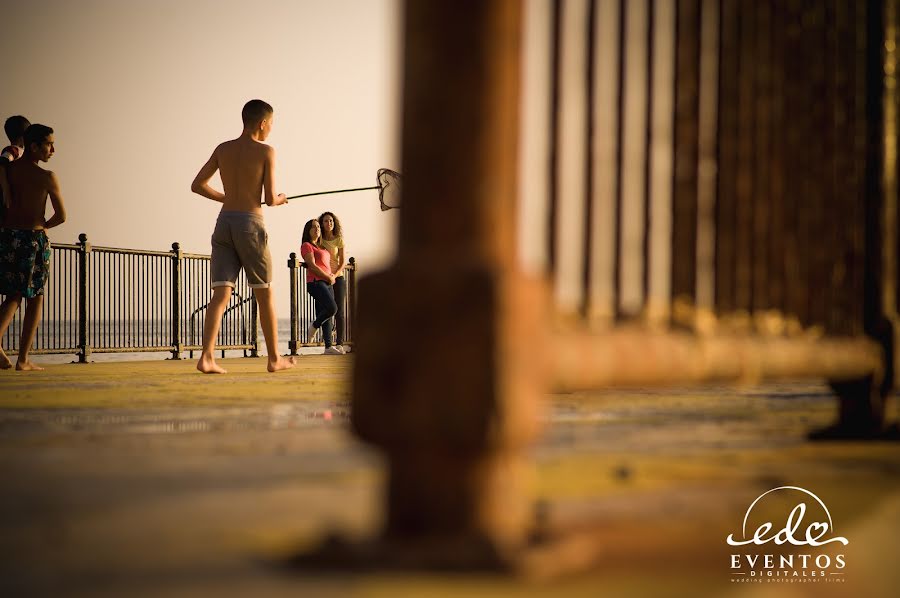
x: 113, y: 300
x: 303, y: 308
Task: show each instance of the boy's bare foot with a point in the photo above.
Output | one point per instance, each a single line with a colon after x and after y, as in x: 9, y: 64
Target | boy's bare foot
x: 27, y: 366
x: 209, y: 366
x: 280, y: 363
x: 5, y: 363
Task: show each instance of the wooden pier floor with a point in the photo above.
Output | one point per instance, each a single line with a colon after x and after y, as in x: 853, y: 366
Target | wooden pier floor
x: 150, y: 479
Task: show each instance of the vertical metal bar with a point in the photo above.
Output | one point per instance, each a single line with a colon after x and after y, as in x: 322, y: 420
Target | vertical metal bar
x: 100, y: 262
x: 139, y: 283
x: 794, y: 146
x: 571, y: 154
x: 727, y: 158
x: 553, y: 162
x: 98, y: 299
x: 132, y: 292
x: 762, y: 199
x: 254, y: 326
x: 122, y: 336
x: 176, y: 301
x: 295, y: 326
x: 684, y: 197
x: 778, y: 172
x: 147, y: 294
x: 633, y: 174
x: 658, y: 240
x: 619, y: 161
x: 187, y: 293
x: 860, y: 148
x: 70, y: 341
x: 84, y: 252
x: 128, y: 308
x: 841, y: 176
x: 109, y: 264
x: 352, y: 299
x: 745, y: 161
x: 707, y: 167
x: 605, y: 151
x: 649, y: 105
x: 889, y: 331
x: 587, y: 196
x: 151, y: 277
x: 301, y: 292
x: 534, y: 173
x: 820, y: 193
x: 890, y: 239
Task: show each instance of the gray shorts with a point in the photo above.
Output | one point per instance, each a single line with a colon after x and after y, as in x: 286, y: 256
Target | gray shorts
x: 240, y: 240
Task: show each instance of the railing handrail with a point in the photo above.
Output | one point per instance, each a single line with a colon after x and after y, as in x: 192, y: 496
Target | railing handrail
x: 128, y: 251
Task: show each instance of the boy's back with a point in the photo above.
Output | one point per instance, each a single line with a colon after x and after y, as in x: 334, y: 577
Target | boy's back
x: 243, y: 164
x: 29, y: 186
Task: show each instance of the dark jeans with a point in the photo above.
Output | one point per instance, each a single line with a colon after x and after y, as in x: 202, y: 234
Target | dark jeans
x: 325, y: 307
x: 340, y: 295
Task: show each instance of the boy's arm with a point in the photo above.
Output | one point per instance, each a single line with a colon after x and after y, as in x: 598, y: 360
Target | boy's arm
x: 200, y: 186
x: 269, y: 180
x: 56, y: 200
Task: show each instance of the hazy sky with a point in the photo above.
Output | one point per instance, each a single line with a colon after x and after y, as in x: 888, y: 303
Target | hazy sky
x: 139, y: 93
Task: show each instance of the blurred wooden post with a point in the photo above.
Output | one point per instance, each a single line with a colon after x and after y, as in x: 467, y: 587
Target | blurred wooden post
x: 445, y: 383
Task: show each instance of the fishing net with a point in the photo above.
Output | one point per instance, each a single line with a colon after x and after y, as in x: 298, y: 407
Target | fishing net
x: 388, y: 186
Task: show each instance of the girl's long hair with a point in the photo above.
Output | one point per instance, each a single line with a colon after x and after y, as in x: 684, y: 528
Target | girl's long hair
x: 338, y: 232
x: 306, y: 238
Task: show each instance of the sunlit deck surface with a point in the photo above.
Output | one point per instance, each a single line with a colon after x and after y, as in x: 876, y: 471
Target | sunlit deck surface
x: 148, y: 478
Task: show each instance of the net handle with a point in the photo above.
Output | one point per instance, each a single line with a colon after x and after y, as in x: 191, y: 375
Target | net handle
x: 336, y: 191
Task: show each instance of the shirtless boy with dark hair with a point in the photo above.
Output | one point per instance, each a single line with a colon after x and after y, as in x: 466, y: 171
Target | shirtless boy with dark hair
x: 247, y: 168
x: 24, y: 246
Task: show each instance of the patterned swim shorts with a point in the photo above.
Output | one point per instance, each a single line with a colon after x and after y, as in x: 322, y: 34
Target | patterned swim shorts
x: 24, y: 262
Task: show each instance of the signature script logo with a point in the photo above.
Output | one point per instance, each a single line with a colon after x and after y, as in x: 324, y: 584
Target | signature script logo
x: 812, y: 536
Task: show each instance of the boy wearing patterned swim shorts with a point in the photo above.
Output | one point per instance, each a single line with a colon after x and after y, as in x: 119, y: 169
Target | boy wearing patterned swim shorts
x: 24, y: 246
x: 246, y: 166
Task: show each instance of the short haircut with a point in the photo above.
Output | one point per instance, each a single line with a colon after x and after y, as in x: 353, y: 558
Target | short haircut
x: 15, y: 126
x: 254, y: 111
x: 36, y: 134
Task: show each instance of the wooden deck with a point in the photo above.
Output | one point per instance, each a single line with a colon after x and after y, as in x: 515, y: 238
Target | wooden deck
x: 147, y: 478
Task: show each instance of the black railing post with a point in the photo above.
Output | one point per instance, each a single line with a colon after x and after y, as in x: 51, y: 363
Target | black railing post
x: 254, y: 326
x: 350, y: 322
x: 84, y: 349
x: 293, y: 265
x: 176, y: 301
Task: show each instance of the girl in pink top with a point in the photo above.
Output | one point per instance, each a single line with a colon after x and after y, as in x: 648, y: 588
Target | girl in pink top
x: 318, y: 283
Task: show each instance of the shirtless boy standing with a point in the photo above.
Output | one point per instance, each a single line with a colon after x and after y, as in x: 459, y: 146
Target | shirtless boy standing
x: 24, y: 246
x: 247, y: 168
